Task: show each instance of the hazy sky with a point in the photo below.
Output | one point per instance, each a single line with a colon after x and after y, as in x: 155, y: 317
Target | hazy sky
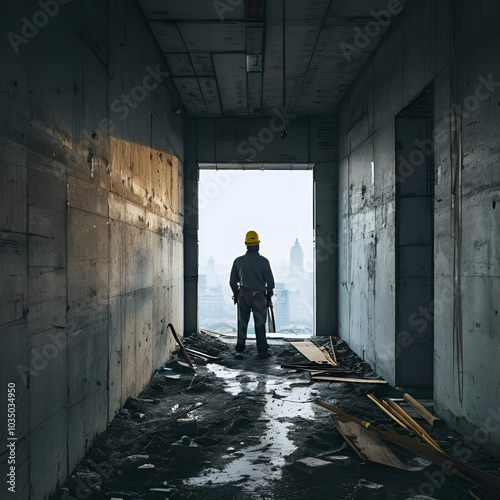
x: 276, y: 204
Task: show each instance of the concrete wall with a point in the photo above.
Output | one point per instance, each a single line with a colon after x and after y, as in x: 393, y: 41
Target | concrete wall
x: 91, y: 224
x: 470, y: 402
x: 416, y: 51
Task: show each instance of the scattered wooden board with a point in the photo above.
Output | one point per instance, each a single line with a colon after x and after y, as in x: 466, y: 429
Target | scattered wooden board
x: 423, y: 412
x: 331, y: 373
x: 311, y: 352
x: 347, y: 379
x: 369, y: 444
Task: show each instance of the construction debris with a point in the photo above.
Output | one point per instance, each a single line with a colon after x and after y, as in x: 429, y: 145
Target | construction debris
x: 202, y: 355
x: 368, y: 445
x: 181, y: 345
x: 316, y: 467
x: 324, y: 367
x: 423, y: 450
x: 313, y: 353
x: 423, y: 412
x: 261, y: 420
x: 346, y: 379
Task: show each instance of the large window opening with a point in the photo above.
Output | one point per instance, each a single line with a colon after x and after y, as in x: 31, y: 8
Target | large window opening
x: 278, y: 205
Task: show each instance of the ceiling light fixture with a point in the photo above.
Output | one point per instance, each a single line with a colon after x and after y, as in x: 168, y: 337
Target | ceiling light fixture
x: 254, y: 63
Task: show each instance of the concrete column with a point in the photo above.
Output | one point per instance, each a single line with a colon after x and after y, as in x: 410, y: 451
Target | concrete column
x: 326, y: 248
x: 191, y: 219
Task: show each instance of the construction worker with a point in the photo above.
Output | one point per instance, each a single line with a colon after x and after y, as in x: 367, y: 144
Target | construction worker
x: 252, y: 283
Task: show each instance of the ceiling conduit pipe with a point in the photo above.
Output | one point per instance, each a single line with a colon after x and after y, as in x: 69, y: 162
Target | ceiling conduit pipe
x: 456, y: 194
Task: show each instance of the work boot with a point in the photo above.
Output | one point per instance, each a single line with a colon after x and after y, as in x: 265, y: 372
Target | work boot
x: 264, y: 354
x: 240, y: 347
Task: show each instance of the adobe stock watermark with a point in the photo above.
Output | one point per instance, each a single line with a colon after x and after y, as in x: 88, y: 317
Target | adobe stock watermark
x: 426, y: 315
x: 437, y: 479
x: 206, y: 192
x: 122, y: 106
x: 221, y: 7
x: 256, y: 143
x: 424, y: 148
x: 30, y: 28
x: 364, y: 37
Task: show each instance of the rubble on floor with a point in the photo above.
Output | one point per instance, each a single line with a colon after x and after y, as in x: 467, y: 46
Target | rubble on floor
x: 250, y: 429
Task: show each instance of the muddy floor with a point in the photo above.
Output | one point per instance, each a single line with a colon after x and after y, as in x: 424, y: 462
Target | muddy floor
x: 252, y: 421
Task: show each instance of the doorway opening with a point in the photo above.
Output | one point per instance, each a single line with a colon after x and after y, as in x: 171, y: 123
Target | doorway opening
x: 415, y: 242
x: 278, y: 205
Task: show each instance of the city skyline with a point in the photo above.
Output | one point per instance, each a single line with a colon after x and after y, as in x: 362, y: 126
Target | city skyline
x: 293, y: 297
x: 276, y: 204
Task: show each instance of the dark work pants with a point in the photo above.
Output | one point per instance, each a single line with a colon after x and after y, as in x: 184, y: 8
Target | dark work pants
x: 255, y: 302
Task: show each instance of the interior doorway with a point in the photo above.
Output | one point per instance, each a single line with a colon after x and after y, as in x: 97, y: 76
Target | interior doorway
x: 278, y: 205
x: 415, y: 242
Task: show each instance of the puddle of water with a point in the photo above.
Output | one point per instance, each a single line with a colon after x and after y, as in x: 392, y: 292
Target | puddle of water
x: 261, y: 463
x: 235, y: 382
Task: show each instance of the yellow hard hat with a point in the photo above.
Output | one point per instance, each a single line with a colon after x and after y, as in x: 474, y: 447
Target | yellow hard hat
x: 252, y: 238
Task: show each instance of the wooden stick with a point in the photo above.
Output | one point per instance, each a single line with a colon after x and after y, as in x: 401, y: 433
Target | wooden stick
x: 345, y: 379
x: 413, y: 426
x: 178, y: 340
x: 344, y: 414
x: 385, y: 410
x: 333, y: 351
x: 428, y: 416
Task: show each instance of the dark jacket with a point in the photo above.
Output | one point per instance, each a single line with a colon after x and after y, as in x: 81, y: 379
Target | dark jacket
x: 253, y: 272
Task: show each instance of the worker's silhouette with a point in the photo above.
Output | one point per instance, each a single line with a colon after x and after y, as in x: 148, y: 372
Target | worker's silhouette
x: 252, y: 283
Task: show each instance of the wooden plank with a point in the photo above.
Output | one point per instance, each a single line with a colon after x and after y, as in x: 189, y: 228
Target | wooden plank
x: 349, y: 442
x: 427, y: 415
x: 333, y: 351
x: 314, y: 367
x: 346, y: 379
x: 179, y: 341
x: 331, y: 373
x: 311, y: 352
x: 369, y: 443
x: 327, y: 356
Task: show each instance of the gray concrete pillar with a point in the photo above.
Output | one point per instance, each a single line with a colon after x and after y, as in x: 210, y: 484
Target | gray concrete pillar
x: 191, y: 218
x: 326, y: 248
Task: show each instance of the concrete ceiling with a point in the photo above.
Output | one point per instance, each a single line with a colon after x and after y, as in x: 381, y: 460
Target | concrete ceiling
x: 206, y: 43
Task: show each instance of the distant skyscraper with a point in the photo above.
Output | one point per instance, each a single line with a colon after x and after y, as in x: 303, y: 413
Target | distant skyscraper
x: 296, y: 258
x: 211, y: 279
x: 281, y: 309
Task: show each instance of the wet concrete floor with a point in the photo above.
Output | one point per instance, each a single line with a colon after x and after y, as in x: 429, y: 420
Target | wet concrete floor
x: 255, y: 419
